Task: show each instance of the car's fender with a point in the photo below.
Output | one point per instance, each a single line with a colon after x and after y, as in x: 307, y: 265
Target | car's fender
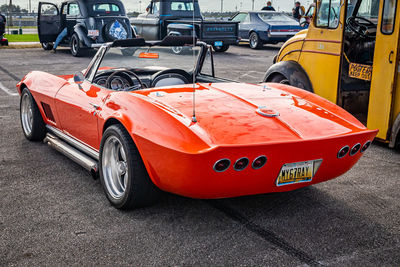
x: 80, y: 30
x: 292, y: 71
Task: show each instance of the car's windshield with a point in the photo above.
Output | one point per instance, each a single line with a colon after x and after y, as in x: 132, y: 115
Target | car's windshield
x: 267, y: 17
x: 141, y: 58
x: 369, y: 9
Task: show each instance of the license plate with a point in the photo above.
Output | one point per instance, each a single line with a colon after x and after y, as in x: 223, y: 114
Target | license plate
x: 93, y: 33
x: 218, y: 43
x: 299, y: 172
x: 360, y: 71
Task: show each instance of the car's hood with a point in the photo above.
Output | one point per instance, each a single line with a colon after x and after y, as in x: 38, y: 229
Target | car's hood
x: 227, y: 113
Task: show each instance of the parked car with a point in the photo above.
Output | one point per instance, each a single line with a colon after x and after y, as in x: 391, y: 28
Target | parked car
x: 89, y: 24
x: 265, y: 27
x: 3, y: 40
x: 175, y: 17
x: 153, y: 121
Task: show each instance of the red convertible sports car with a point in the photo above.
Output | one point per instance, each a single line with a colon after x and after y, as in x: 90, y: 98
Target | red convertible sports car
x: 147, y: 120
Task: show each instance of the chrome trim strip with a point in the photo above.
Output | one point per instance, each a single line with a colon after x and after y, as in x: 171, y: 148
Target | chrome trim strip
x: 219, y: 161
x: 75, y: 143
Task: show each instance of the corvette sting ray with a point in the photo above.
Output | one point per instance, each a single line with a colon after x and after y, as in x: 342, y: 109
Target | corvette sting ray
x: 150, y: 120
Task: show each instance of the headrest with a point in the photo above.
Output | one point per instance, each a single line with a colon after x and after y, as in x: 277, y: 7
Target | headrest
x: 172, y: 40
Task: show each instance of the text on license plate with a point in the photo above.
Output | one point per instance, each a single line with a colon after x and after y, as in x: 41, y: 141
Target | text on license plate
x: 93, y: 33
x: 218, y: 43
x: 298, y: 172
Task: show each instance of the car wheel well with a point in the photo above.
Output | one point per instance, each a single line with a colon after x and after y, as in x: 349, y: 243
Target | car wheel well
x: 111, y: 122
x: 273, y: 75
x: 395, y: 134
x: 22, y: 87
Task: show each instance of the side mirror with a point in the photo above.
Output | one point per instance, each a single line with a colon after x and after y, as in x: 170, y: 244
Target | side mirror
x: 79, y: 78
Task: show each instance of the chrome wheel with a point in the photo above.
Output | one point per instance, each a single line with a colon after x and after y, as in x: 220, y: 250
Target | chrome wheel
x: 26, y: 114
x: 115, y: 167
x: 253, y: 41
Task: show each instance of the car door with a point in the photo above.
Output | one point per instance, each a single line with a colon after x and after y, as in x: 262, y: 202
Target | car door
x: 385, y: 69
x: 78, y: 107
x: 244, y: 27
x: 73, y: 13
x: 49, y: 22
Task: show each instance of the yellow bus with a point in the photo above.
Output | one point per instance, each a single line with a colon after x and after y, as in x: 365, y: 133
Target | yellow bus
x: 350, y: 56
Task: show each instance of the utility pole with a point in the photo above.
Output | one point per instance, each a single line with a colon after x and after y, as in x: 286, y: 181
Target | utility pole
x: 253, y: 5
x: 222, y: 6
x: 30, y: 6
x: 9, y: 14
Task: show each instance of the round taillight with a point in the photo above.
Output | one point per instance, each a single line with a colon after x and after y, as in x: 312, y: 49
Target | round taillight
x: 355, y: 149
x: 222, y: 165
x: 259, y: 162
x: 365, y: 146
x: 241, y: 164
x: 343, y: 152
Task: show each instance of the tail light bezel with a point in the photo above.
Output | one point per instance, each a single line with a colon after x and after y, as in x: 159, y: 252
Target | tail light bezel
x: 368, y: 144
x: 343, y: 148
x: 257, y: 168
x: 218, y: 161
x: 351, y: 153
x: 236, y: 162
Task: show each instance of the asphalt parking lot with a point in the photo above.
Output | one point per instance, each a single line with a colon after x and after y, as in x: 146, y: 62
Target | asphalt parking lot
x: 53, y: 213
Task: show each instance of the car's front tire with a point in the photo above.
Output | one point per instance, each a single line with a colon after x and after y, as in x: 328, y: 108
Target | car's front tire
x: 255, y: 42
x: 123, y: 175
x: 47, y: 46
x: 32, y: 122
x: 76, y: 47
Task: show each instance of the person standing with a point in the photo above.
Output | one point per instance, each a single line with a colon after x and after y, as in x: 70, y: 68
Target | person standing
x: 268, y: 7
x: 297, y: 11
x: 2, y: 25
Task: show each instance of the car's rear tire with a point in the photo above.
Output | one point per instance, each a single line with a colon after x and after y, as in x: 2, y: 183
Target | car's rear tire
x: 221, y: 49
x: 279, y: 78
x: 254, y: 41
x: 123, y: 175
x: 77, y: 50
x: 32, y: 122
x: 47, y: 46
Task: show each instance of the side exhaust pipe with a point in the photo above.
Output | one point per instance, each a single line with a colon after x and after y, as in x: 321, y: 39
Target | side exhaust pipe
x: 85, y: 161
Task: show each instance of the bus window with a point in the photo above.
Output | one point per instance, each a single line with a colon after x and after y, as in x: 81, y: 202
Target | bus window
x: 328, y: 15
x: 389, y: 12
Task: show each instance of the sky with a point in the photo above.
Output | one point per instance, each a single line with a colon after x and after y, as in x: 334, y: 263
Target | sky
x: 205, y: 5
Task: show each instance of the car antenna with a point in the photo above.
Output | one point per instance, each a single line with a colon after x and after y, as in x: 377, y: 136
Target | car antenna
x: 194, y: 119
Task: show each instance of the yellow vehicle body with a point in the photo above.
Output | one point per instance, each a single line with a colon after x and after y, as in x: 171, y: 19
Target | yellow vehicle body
x: 355, y: 68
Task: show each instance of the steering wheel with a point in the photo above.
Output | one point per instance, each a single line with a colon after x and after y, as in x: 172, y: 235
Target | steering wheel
x: 132, y: 83
x: 358, y: 28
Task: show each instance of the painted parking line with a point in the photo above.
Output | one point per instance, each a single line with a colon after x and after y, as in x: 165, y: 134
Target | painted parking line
x: 7, y: 91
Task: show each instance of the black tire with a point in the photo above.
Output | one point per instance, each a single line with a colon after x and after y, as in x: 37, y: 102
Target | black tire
x: 221, y: 49
x: 139, y: 190
x: 34, y: 129
x: 254, y: 41
x: 47, y: 46
x: 279, y: 78
x: 76, y: 47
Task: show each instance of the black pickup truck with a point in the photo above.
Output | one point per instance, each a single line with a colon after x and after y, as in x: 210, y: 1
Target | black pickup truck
x: 175, y: 17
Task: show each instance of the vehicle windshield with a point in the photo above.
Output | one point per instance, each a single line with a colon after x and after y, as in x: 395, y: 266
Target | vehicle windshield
x: 182, y: 6
x: 157, y: 58
x: 369, y: 9
x: 267, y: 17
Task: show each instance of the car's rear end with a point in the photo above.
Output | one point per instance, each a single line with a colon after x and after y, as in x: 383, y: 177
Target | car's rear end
x: 253, y: 139
x: 107, y: 21
x: 280, y: 27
